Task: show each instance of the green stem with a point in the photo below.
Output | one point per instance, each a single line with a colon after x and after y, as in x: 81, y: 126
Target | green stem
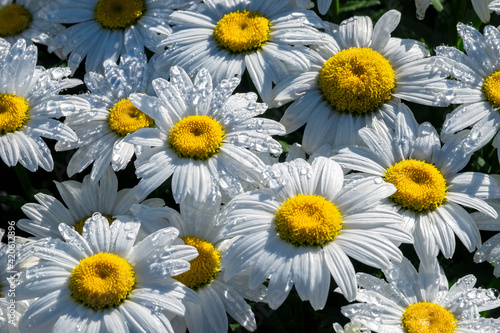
x: 22, y: 175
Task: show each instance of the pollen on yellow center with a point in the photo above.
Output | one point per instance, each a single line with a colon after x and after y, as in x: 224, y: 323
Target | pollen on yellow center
x: 118, y: 14
x: 196, y: 137
x: 14, y: 113
x: 420, y: 185
x: 81, y: 222
x: 204, y: 268
x: 125, y: 118
x: 427, y: 317
x: 101, y: 281
x: 357, y: 80
x: 491, y: 88
x: 308, y: 220
x: 14, y: 19
x: 242, y: 31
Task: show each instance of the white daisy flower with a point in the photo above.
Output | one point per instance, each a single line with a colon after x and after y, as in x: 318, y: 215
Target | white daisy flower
x: 29, y: 99
x: 476, y: 85
x: 430, y: 189
x: 22, y: 19
x: 354, y: 79
x: 302, y: 228
x: 227, y: 37
x: 101, y: 282
x: 101, y: 131
x: 201, y: 136
x: 82, y: 199
x: 198, y: 226
x: 411, y: 302
x: 105, y: 29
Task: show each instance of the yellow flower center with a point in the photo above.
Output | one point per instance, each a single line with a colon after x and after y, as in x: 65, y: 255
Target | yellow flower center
x: 420, y: 185
x: 14, y: 19
x: 197, y: 137
x: 81, y: 222
x: 242, y: 31
x: 102, y: 280
x: 427, y: 317
x: 118, y: 14
x: 357, y: 80
x: 14, y: 113
x: 204, y: 267
x: 308, y: 220
x: 491, y: 88
x: 125, y: 118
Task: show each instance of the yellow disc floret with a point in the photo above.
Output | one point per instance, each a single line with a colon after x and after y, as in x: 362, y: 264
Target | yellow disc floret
x: 81, y: 222
x: 101, y: 281
x: 242, y: 31
x: 125, y: 118
x: 420, y: 185
x: 204, y: 267
x: 196, y: 137
x: 14, y: 113
x: 118, y: 14
x: 427, y: 317
x: 357, y: 80
x: 308, y: 220
x: 491, y: 88
x: 14, y: 19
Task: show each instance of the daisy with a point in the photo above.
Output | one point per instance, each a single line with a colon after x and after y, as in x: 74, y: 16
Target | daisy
x: 101, y: 131
x: 411, y: 301
x: 477, y: 75
x: 355, y: 78
x: 304, y: 225
x: 29, y: 99
x: 227, y: 37
x: 105, y: 29
x: 22, y: 19
x: 198, y: 225
x: 101, y: 282
x: 430, y: 189
x: 201, y: 136
x: 82, y: 199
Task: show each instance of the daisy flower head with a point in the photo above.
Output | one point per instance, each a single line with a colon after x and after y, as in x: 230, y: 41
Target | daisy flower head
x: 475, y: 86
x: 102, y: 30
x: 102, y: 281
x: 409, y: 301
x: 101, y: 132
x: 29, y: 100
x: 355, y: 78
x: 431, y: 192
x: 22, y: 19
x: 304, y: 225
x: 227, y: 37
x: 198, y: 225
x: 201, y: 136
x: 82, y: 200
